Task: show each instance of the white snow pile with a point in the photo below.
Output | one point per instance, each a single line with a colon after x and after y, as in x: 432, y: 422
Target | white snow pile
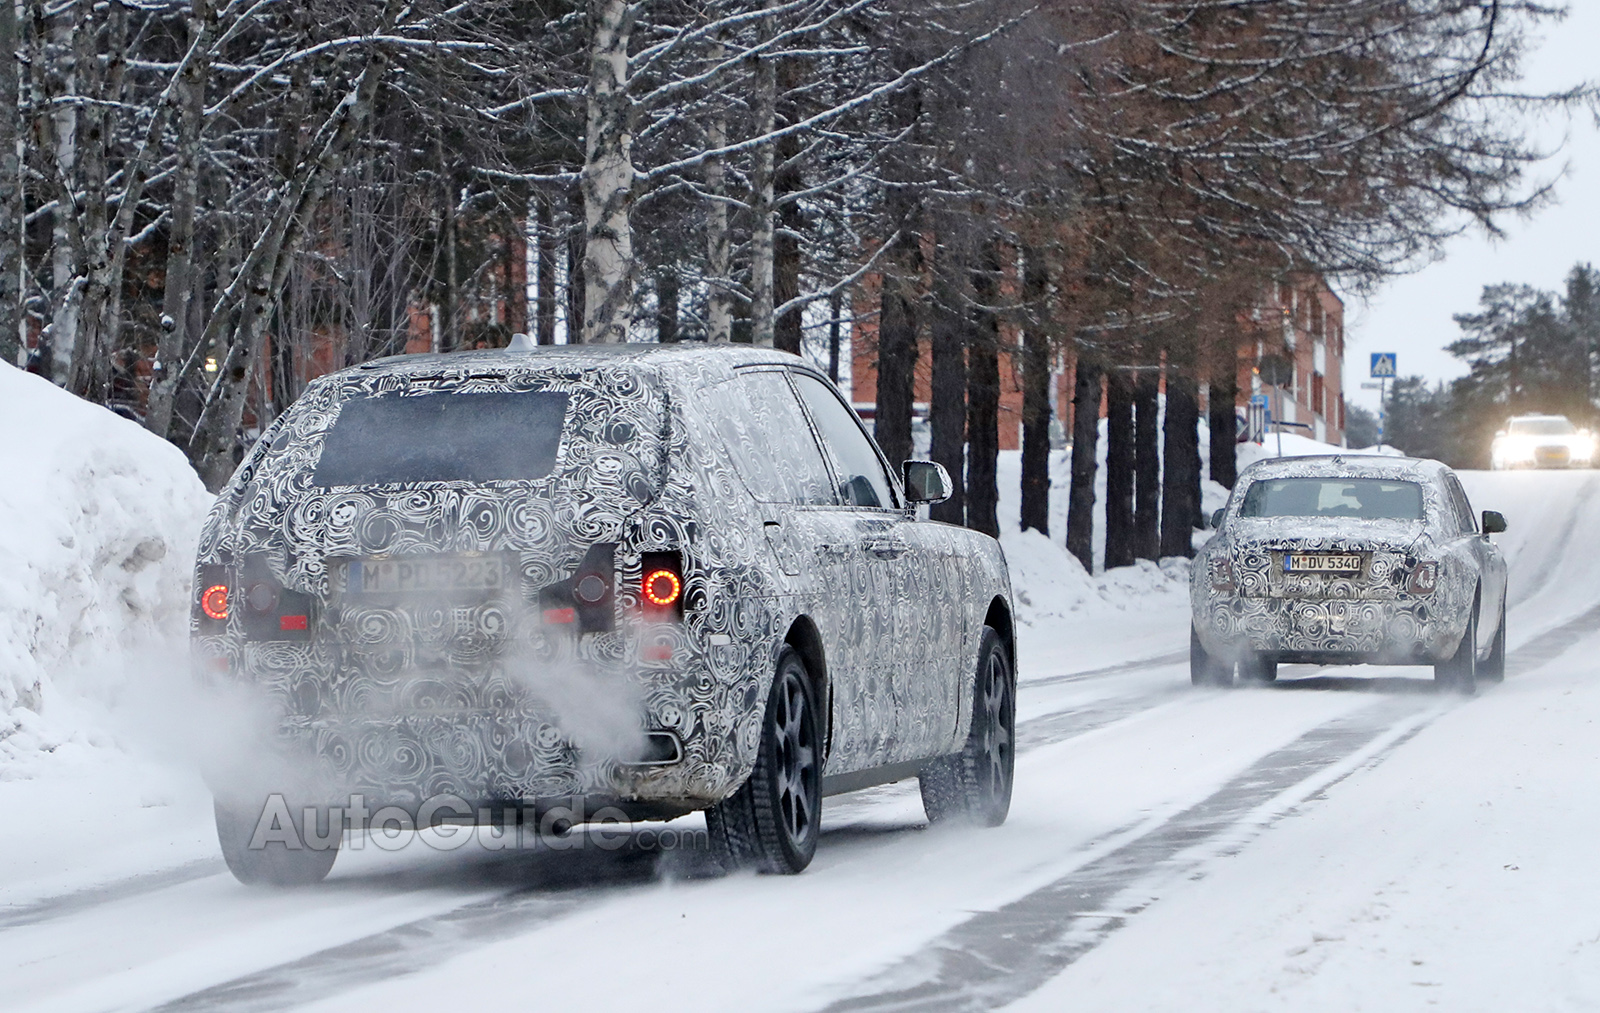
x: 98, y: 523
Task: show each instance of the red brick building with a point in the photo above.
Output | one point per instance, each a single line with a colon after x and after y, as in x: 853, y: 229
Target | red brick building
x: 1300, y: 319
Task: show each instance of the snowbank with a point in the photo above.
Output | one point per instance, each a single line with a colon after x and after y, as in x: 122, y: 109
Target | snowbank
x: 98, y: 522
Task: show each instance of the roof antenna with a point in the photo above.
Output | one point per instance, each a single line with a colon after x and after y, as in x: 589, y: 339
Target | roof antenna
x: 520, y: 343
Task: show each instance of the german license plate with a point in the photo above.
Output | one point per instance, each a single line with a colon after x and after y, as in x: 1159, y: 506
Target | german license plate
x: 426, y: 574
x: 1321, y: 562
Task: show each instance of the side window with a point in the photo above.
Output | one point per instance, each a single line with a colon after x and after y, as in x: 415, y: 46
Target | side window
x: 862, y: 480
x: 1459, y: 505
x: 767, y: 437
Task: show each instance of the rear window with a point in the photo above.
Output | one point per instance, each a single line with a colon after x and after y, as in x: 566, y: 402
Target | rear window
x: 1369, y: 498
x: 443, y: 437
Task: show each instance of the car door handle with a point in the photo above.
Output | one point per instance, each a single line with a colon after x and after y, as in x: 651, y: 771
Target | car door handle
x: 884, y: 548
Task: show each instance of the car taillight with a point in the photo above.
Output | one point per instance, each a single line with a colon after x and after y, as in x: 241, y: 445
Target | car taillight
x: 214, y: 602
x: 1424, y: 578
x: 661, y: 586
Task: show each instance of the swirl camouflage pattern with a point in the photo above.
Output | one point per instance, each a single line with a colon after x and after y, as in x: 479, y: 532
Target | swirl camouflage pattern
x: 1345, y: 559
x: 434, y: 569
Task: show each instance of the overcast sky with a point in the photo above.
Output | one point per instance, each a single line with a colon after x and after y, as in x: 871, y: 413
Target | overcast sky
x: 1411, y: 316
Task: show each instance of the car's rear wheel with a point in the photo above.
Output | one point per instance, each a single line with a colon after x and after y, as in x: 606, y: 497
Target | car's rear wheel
x: 772, y: 822
x: 283, y: 853
x: 1459, y: 673
x: 1205, y: 669
x: 974, y: 785
x: 1256, y: 669
x: 1493, y: 668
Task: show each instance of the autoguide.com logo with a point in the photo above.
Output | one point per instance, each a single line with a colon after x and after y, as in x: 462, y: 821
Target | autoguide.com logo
x: 449, y: 821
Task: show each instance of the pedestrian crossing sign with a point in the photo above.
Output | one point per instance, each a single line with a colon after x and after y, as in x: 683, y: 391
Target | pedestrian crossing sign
x: 1383, y: 364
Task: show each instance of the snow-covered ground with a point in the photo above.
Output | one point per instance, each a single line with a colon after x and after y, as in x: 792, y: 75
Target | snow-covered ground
x: 1339, y: 841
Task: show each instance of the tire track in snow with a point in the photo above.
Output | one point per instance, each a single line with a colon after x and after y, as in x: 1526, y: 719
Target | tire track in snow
x: 999, y: 956
x: 569, y: 882
x: 30, y: 913
x: 1556, y: 550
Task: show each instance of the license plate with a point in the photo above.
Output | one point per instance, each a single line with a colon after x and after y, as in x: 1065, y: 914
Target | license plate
x: 1298, y: 562
x: 426, y: 574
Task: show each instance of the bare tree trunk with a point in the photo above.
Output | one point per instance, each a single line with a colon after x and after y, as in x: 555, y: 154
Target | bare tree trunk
x: 11, y: 235
x: 608, y: 176
x: 265, y: 271
x: 835, y: 308
x: 762, y: 324
x: 897, y: 361
x: 1221, y: 411
x: 1180, y: 486
x: 1147, y: 464
x: 1085, y: 445
x: 1036, y: 400
x: 546, y: 247
x: 1119, y: 469
x: 787, y: 331
x: 666, y: 306
x: 719, y: 241
x: 575, y: 271
x: 983, y: 398
x: 947, y: 410
x: 178, y: 289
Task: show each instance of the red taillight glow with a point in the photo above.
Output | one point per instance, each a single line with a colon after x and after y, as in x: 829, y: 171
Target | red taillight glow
x: 657, y: 652
x: 662, y: 588
x: 214, y: 601
x: 293, y: 623
x: 560, y: 616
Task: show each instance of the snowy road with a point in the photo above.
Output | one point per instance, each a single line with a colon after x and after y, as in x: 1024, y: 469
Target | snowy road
x: 1147, y: 815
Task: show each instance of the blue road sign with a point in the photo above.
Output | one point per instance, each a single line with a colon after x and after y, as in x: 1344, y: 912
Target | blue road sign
x: 1383, y: 364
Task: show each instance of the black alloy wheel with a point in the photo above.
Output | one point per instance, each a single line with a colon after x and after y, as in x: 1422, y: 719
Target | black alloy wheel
x: 772, y: 823
x: 1205, y: 669
x: 974, y: 785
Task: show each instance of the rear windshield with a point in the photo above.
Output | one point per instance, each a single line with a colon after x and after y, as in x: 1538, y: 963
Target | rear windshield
x: 443, y: 437
x: 1542, y: 427
x: 1371, y: 498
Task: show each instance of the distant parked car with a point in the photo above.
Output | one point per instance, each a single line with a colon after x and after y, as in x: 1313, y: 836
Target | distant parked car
x: 1542, y: 441
x: 1347, y: 560
x: 642, y: 579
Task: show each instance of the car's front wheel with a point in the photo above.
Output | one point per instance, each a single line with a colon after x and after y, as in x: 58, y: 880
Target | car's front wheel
x: 771, y: 824
x: 974, y: 785
x: 267, y: 844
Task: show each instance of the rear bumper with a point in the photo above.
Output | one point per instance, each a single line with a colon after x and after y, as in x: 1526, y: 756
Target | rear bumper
x: 1410, y: 631
x: 645, y: 737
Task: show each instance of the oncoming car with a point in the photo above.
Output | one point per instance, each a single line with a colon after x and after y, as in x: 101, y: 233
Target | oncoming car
x: 1348, y: 560
x: 638, y: 579
x: 1542, y: 441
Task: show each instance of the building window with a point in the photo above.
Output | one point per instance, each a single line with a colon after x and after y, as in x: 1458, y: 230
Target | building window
x: 1317, y: 404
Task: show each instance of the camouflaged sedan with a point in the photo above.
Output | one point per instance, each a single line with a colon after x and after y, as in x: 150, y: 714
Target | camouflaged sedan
x: 638, y: 580
x: 1346, y: 560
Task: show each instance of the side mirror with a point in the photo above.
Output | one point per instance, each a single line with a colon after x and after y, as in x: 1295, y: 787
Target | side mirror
x: 1494, y: 522
x: 926, y: 482
x: 1216, y: 518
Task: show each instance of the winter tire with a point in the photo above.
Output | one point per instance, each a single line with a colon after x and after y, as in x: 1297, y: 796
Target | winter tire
x: 1460, y: 672
x: 300, y: 862
x: 1204, y: 669
x: 772, y: 822
x: 974, y: 785
x: 1493, y: 668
